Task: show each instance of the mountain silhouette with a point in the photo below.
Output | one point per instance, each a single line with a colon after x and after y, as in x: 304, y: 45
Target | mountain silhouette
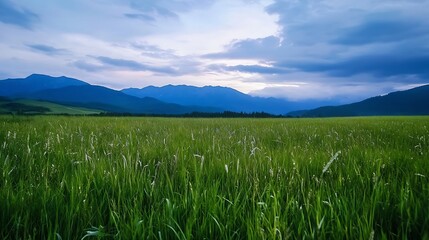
x: 414, y: 101
x: 34, y: 83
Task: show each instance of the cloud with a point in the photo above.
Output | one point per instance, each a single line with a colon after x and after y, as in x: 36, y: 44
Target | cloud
x: 268, y: 70
x: 48, y: 50
x: 250, y: 48
x: 11, y: 14
x: 134, y: 65
x: 154, y: 10
x: 169, y: 9
x: 339, y: 39
x: 382, y: 30
x: 89, y: 67
x: 154, y: 51
x: 122, y: 63
x: 140, y: 16
x: 382, y: 66
x: 107, y: 63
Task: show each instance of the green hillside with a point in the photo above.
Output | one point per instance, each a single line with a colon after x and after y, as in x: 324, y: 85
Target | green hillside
x: 25, y: 106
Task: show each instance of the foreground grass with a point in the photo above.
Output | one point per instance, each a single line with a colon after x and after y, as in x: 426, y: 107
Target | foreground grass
x: 157, y: 178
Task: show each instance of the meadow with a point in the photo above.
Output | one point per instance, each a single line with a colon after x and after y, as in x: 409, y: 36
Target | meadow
x: 177, y: 178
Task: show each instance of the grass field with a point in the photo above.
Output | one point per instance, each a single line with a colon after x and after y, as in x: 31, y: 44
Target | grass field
x: 159, y: 178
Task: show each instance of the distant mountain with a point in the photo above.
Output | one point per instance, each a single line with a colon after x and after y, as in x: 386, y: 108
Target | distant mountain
x: 224, y: 98
x: 97, y: 97
x: 34, y: 83
x: 73, y: 92
x: 187, y: 99
x: 410, y: 102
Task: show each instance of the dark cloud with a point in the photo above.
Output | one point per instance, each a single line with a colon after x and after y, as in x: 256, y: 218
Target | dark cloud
x: 250, y: 69
x: 250, y: 48
x: 303, y: 21
x: 11, y: 14
x: 382, y: 66
x: 122, y: 63
x: 165, y: 12
x: 89, y: 67
x: 382, y: 30
x: 140, y: 16
x: 48, y: 50
x: 133, y: 65
x: 182, y: 66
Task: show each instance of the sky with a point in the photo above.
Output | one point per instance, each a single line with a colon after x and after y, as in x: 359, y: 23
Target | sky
x: 339, y: 50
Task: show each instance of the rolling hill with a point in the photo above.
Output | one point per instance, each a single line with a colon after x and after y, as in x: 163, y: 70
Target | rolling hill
x: 409, y: 102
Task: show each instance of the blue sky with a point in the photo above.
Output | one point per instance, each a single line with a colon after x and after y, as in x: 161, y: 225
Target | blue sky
x: 293, y: 49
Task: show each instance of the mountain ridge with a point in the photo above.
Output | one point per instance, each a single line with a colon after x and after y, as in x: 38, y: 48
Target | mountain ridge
x: 226, y: 98
x: 36, y: 82
x: 413, y: 101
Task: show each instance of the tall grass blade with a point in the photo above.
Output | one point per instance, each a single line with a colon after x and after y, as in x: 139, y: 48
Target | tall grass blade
x: 333, y: 158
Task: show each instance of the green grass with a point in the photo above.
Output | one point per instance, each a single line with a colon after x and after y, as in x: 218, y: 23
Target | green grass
x: 54, y: 108
x: 158, y: 178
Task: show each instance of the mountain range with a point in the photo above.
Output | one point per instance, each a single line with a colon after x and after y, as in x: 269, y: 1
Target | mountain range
x: 73, y: 92
x: 184, y: 99
x: 224, y: 98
